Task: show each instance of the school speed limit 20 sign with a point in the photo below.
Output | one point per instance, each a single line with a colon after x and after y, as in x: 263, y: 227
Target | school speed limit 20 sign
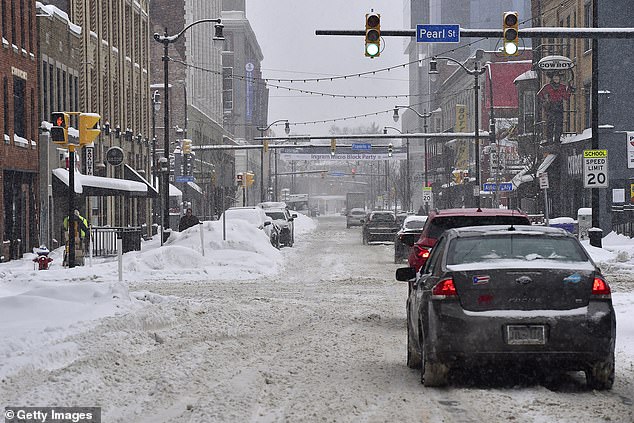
x: 595, y: 168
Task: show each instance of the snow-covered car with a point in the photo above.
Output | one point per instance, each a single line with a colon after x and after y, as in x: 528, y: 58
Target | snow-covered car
x: 502, y: 296
x: 284, y: 219
x: 407, y: 235
x: 258, y: 217
x: 273, y: 205
x: 354, y: 217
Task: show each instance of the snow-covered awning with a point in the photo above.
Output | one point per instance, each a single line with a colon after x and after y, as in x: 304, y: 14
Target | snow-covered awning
x: 133, y: 175
x: 99, y: 186
x: 195, y: 187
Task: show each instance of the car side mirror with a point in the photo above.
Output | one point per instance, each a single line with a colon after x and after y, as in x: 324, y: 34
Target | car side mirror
x: 294, y: 215
x: 405, y: 274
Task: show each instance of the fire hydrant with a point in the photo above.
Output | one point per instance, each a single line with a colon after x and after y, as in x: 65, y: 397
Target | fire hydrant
x: 42, y: 259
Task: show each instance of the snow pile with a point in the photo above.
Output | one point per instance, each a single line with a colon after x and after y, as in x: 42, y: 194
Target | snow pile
x: 40, y: 309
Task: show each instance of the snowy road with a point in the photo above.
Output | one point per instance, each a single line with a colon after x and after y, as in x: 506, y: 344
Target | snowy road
x: 322, y: 341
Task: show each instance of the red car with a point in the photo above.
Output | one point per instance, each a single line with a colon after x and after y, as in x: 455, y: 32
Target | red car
x: 439, y: 220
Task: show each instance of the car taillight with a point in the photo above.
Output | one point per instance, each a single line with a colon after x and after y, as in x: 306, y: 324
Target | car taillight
x: 445, y: 288
x: 601, y: 288
x: 422, y: 252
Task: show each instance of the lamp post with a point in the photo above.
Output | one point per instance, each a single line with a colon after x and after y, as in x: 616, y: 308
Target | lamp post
x: 262, y: 130
x: 156, y: 106
x: 425, y: 115
x: 166, y: 40
x: 407, y: 177
x: 492, y: 137
x: 476, y: 72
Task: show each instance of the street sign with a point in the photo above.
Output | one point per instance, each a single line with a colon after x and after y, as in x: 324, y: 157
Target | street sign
x: 504, y: 186
x: 184, y: 178
x: 437, y: 33
x: 337, y: 174
x: 543, y: 180
x: 427, y: 194
x: 361, y: 147
x: 595, y: 169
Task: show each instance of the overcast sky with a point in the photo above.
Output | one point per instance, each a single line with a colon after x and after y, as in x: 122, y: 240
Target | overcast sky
x: 286, y: 32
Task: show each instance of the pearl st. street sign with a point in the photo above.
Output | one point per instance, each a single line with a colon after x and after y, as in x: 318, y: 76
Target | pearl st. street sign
x: 595, y: 169
x: 437, y: 33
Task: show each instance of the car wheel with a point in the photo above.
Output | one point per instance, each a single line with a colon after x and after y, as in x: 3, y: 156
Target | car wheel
x: 413, y: 357
x: 600, y: 375
x: 432, y: 373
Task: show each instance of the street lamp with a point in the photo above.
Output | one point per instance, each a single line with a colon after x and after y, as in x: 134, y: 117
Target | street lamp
x: 408, y: 193
x: 287, y: 129
x: 476, y: 72
x: 166, y: 40
x: 156, y: 106
x: 425, y: 115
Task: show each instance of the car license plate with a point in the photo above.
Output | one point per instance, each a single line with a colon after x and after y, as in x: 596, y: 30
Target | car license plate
x: 525, y: 335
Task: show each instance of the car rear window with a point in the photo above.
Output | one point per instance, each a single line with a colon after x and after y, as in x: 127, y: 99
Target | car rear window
x: 439, y: 224
x: 382, y: 217
x: 414, y: 224
x: 519, y: 247
x: 276, y: 215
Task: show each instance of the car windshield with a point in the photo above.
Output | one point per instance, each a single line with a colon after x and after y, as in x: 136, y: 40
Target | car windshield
x: 440, y: 224
x: 482, y: 249
x: 276, y: 215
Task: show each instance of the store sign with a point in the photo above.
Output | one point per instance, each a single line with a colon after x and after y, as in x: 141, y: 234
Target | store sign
x: 90, y: 160
x: 630, y: 149
x: 114, y: 156
x: 555, y: 63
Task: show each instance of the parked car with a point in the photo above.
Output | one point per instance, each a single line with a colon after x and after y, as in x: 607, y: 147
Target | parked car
x: 284, y: 219
x: 354, y: 217
x: 256, y: 216
x: 407, y: 235
x: 380, y: 225
x: 440, y: 220
x: 496, y: 296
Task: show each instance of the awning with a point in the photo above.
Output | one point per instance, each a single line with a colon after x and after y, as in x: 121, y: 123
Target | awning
x: 98, y: 186
x: 133, y: 175
x: 522, y: 176
x: 195, y: 187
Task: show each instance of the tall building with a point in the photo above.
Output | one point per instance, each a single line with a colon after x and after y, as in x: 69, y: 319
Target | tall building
x: 195, y: 102
x: 19, y: 120
x: 245, y: 94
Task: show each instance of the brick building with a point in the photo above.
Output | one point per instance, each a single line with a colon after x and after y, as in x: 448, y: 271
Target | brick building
x: 19, y: 122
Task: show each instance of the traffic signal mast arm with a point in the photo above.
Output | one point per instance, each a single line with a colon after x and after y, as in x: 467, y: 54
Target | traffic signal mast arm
x: 539, y: 32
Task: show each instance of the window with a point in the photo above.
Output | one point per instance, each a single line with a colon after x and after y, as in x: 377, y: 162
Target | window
x: 5, y: 87
x: 587, y: 103
x: 45, y: 93
x: 529, y: 111
x: 3, y: 9
x: 22, y: 25
x: 587, y: 20
x: 227, y: 88
x: 64, y: 91
x: 13, y: 34
x: 19, y: 107
x: 51, y: 89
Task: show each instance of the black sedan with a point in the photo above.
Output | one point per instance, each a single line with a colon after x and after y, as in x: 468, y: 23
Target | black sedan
x: 502, y: 296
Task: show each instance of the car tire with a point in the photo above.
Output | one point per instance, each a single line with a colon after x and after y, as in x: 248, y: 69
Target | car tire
x: 600, y: 375
x: 432, y: 373
x: 413, y: 356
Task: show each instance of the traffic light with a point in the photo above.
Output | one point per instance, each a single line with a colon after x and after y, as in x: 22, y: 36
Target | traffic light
x: 511, y: 33
x: 333, y: 147
x: 372, y: 35
x: 239, y: 179
x: 353, y: 171
x: 265, y: 146
x: 59, y: 131
x: 88, y: 128
x: 323, y: 175
x: 390, y: 150
x: 187, y: 146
